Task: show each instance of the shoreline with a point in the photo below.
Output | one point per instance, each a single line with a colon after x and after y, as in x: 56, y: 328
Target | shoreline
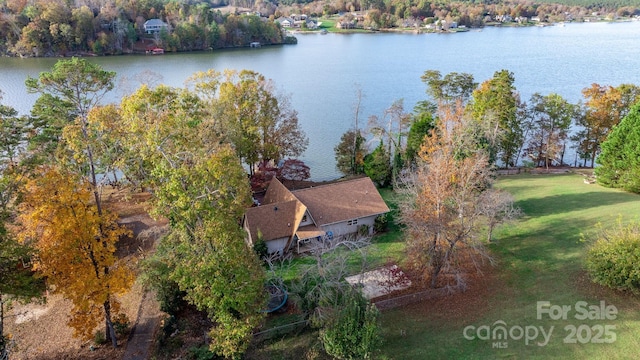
x: 293, y: 32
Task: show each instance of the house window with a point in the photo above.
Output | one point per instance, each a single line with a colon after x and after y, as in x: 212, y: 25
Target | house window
x: 304, y: 218
x: 352, y: 222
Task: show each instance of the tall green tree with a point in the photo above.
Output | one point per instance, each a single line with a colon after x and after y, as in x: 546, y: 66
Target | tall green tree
x: 449, y: 89
x: 421, y: 127
x: 260, y: 124
x: 17, y: 280
x: 350, y: 153
x: 204, y: 199
x: 158, y: 123
x: 552, y: 116
x: 619, y: 161
x: 495, y: 105
x: 73, y: 87
x: 12, y: 135
x: 377, y: 166
x: 199, y: 185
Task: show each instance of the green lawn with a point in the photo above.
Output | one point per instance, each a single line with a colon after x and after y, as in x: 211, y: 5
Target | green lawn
x: 539, y: 258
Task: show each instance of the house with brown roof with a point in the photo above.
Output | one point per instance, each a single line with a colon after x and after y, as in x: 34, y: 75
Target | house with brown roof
x: 289, y: 220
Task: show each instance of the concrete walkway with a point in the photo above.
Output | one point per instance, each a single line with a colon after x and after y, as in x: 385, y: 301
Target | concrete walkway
x: 144, y: 330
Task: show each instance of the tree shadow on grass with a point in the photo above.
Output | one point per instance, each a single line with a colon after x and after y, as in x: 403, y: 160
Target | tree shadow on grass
x: 555, y: 204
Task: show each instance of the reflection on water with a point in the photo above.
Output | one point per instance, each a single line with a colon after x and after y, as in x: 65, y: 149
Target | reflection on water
x: 322, y: 72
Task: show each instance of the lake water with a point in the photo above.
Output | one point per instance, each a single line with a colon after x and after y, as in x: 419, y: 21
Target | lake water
x: 322, y: 72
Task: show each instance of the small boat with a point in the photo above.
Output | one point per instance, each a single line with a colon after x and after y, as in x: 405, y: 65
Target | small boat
x: 156, y: 51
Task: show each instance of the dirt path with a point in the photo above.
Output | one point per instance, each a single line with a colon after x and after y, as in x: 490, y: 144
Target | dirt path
x: 145, y: 234
x: 143, y: 333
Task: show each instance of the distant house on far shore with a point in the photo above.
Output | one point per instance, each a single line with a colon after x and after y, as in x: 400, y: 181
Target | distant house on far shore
x: 152, y: 26
x: 285, y: 22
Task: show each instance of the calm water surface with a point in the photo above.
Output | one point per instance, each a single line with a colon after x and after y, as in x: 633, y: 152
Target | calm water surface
x: 321, y: 73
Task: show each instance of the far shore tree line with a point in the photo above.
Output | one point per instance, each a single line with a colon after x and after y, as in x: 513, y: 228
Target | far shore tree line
x: 197, y: 148
x: 55, y: 27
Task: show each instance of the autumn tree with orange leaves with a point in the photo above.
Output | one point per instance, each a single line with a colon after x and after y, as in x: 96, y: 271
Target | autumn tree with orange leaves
x: 605, y: 107
x: 76, y: 246
x: 442, y: 211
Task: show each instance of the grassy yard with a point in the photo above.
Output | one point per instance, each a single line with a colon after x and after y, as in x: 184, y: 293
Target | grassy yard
x: 539, y: 258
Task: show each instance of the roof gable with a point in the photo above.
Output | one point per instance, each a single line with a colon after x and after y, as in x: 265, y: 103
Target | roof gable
x: 342, y: 201
x: 276, y: 192
x: 274, y: 221
x: 282, y: 210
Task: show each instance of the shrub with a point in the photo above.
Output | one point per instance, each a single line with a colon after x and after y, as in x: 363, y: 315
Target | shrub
x: 381, y: 222
x: 363, y: 230
x: 353, y: 334
x: 121, y: 324
x: 261, y: 249
x: 99, y: 338
x: 200, y: 353
x: 613, y: 260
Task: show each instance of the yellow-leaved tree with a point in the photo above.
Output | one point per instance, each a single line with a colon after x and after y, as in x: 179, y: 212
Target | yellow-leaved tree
x: 76, y: 246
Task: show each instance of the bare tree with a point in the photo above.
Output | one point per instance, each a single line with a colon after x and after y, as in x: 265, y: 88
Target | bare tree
x: 443, y: 210
x: 128, y: 84
x: 322, y: 288
x: 393, y: 125
x: 497, y: 207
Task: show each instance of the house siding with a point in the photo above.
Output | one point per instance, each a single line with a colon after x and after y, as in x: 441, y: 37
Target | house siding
x: 277, y: 245
x: 343, y: 228
x: 307, y: 220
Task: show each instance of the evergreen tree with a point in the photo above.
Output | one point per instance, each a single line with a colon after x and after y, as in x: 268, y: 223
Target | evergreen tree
x: 377, y: 166
x: 421, y: 127
x: 619, y: 161
x: 350, y: 153
x: 495, y: 107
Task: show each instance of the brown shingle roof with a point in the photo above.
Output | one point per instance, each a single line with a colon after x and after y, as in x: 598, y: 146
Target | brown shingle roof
x: 274, y: 221
x: 309, y: 231
x: 342, y: 201
x: 282, y: 210
x: 276, y: 192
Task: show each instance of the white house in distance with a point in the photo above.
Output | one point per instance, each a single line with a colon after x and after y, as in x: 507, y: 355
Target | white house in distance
x: 288, y: 220
x: 154, y: 26
x: 285, y: 22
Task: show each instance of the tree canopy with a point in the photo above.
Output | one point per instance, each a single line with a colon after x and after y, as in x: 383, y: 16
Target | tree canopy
x: 76, y: 248
x: 350, y: 153
x: 495, y: 104
x: 619, y: 161
x: 259, y: 122
x: 445, y: 205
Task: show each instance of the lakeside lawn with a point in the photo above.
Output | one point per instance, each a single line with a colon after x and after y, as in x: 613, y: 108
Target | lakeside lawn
x: 539, y: 258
